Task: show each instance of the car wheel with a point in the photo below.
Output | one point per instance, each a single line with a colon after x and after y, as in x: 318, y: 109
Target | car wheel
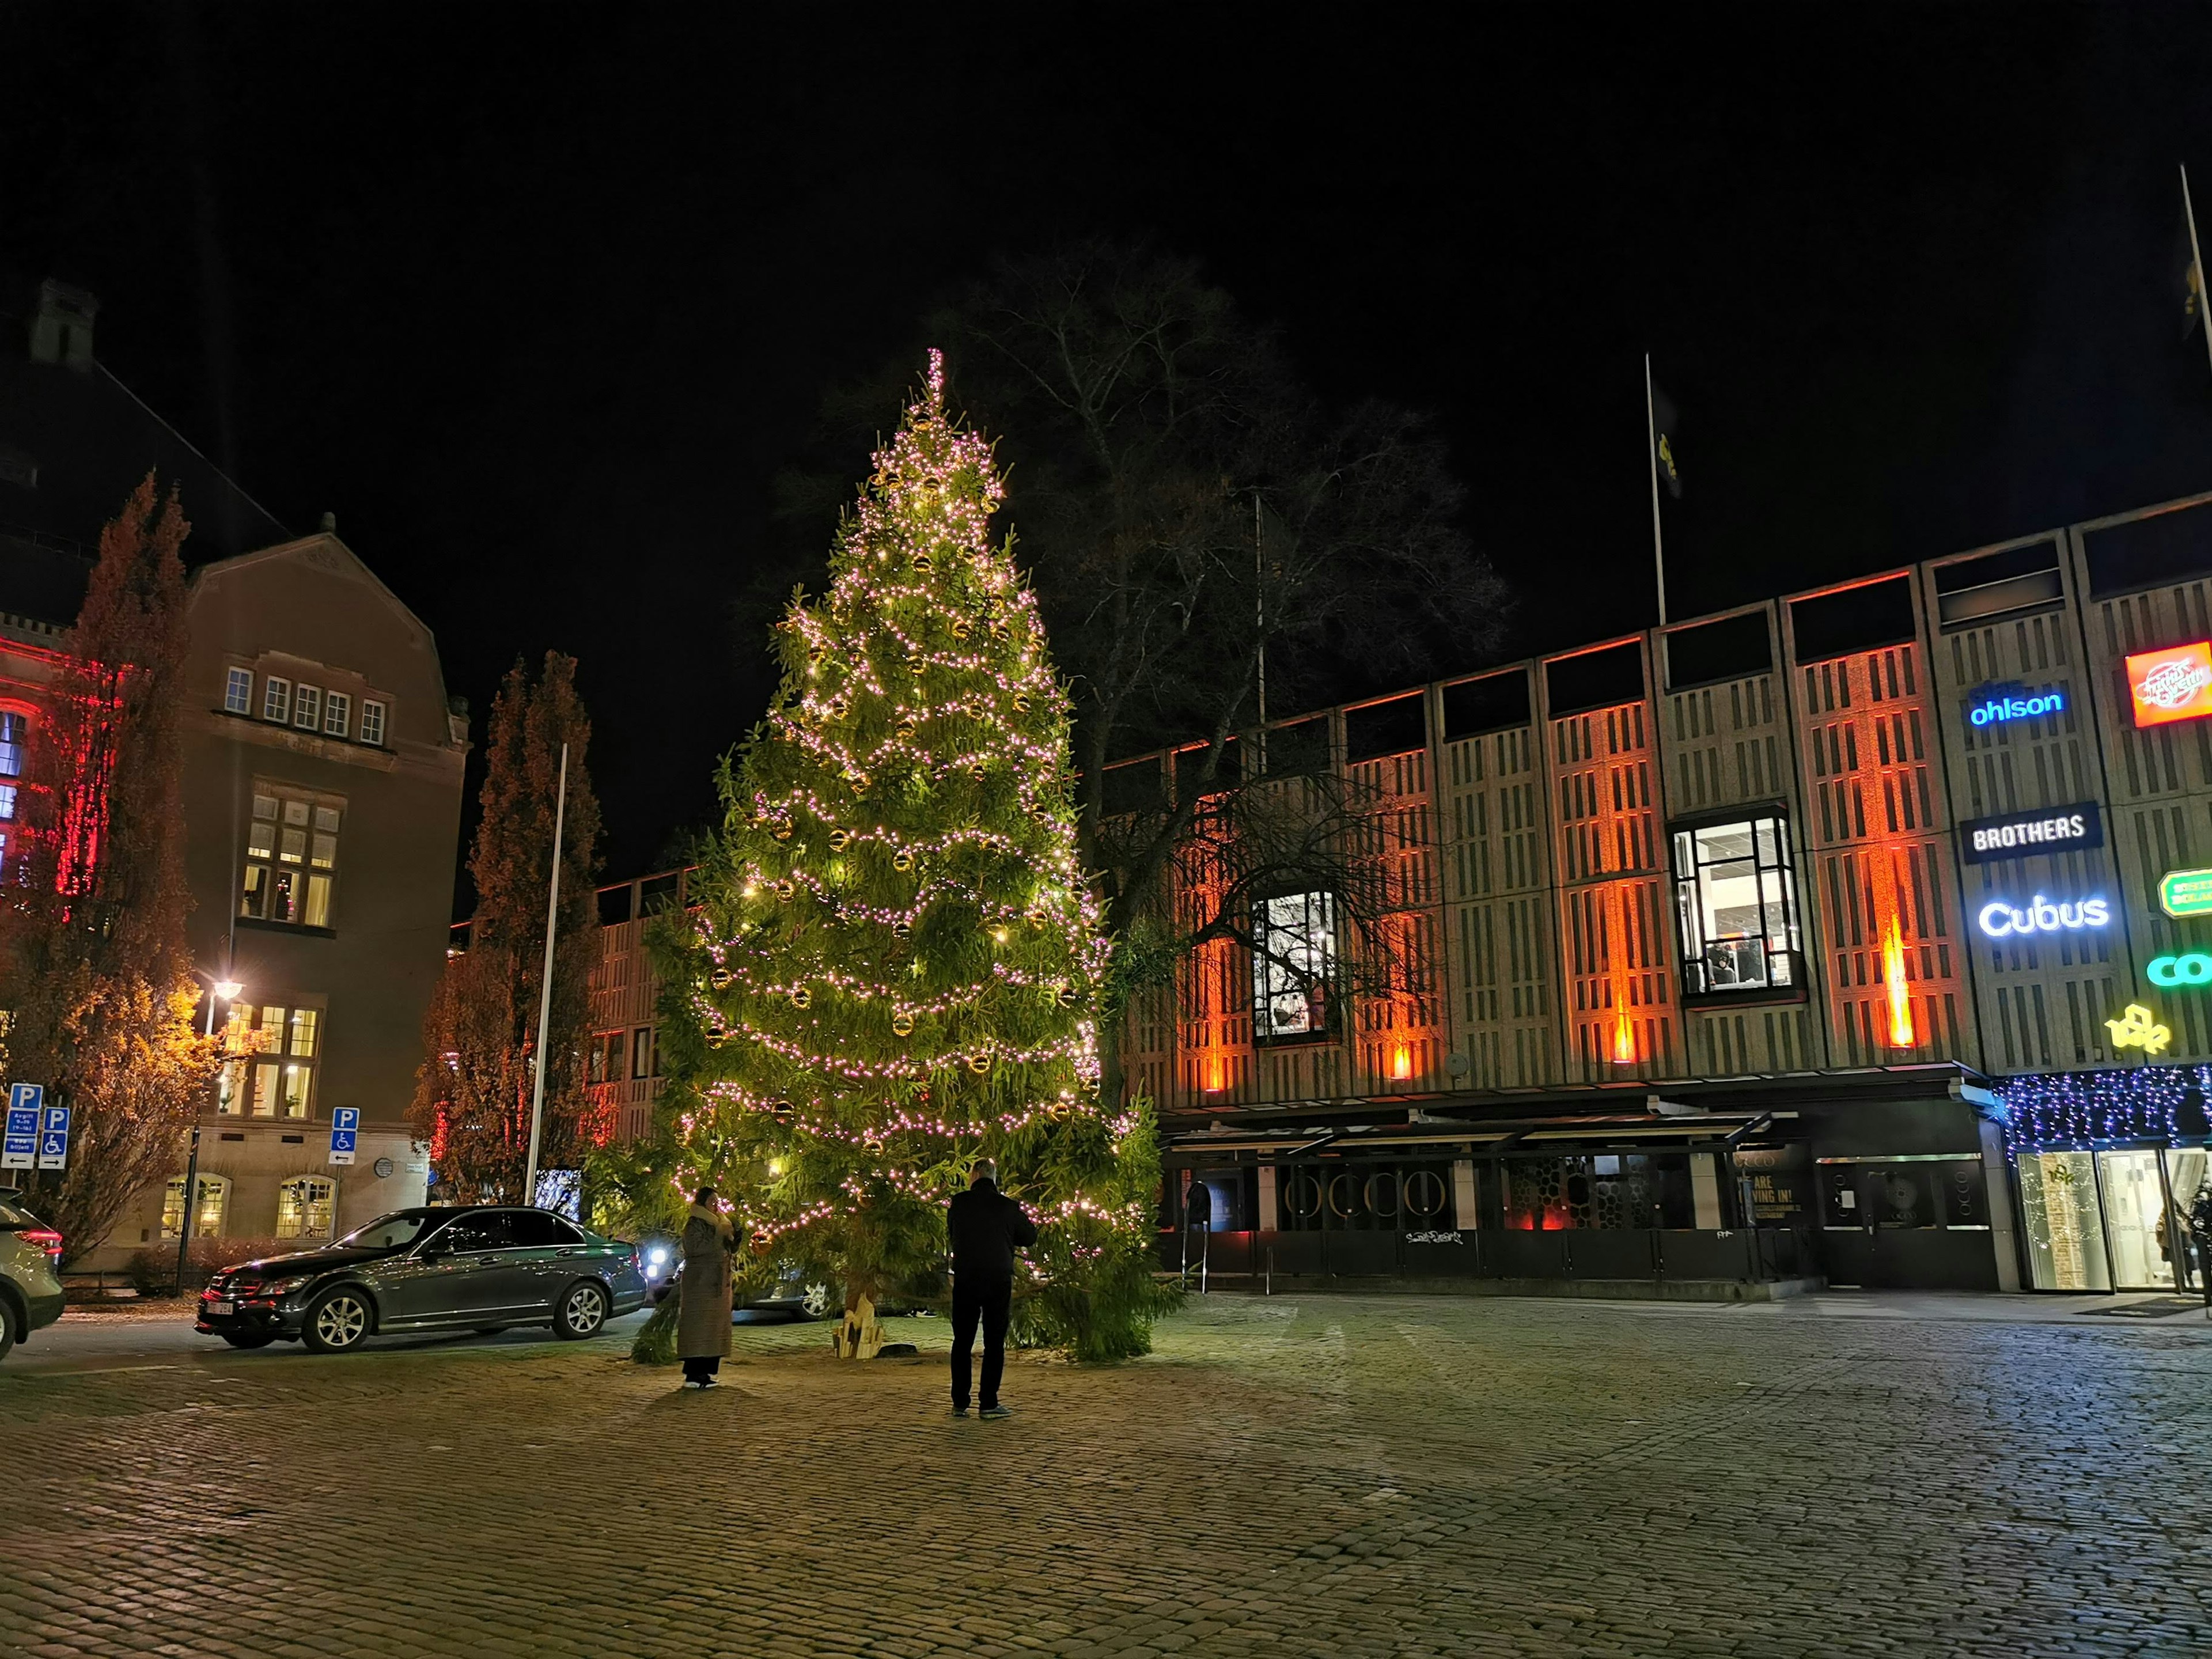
x: 248, y: 1338
x: 338, y: 1321
x: 7, y: 1328
x: 582, y: 1311
x: 820, y: 1301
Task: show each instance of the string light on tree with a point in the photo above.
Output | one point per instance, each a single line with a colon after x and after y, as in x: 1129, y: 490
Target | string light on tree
x: 893, y: 959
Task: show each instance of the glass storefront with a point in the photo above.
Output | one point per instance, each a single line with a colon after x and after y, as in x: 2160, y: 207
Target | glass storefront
x: 2114, y: 1221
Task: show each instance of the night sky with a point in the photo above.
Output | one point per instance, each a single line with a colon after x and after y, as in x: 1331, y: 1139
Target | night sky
x: 537, y: 300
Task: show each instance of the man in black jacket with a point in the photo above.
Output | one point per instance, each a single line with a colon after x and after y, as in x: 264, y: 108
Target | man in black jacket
x: 985, y: 1228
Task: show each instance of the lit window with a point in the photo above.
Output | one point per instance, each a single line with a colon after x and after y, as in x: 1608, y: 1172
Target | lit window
x: 207, y: 1216
x: 276, y: 699
x: 1293, y: 966
x: 608, y: 1049
x: 337, y: 710
x: 297, y: 1079
x: 238, y: 692
x: 304, y: 1207
x: 303, y: 1032
x: 308, y: 708
x: 291, y: 858
x: 12, y: 732
x: 372, y: 723
x: 7, y: 802
x: 1736, y: 904
x: 640, y: 1052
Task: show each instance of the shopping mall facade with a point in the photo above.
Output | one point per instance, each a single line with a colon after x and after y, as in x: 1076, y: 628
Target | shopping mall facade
x: 1862, y: 934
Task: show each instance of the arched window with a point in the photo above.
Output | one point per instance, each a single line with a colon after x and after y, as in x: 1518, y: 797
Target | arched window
x: 15, y: 728
x: 207, y: 1218
x: 306, y: 1206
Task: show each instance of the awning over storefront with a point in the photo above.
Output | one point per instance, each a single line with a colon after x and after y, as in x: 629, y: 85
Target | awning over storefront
x: 1698, y: 1130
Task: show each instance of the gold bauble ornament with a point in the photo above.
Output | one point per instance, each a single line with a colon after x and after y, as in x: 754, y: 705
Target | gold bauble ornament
x: 960, y: 628
x: 902, y: 860
x: 1069, y: 996
x: 900, y: 929
x: 783, y: 832
x: 902, y: 1023
x: 839, y: 839
x: 800, y: 996
x: 721, y: 979
x: 979, y: 1063
x: 976, y: 772
x: 906, y: 726
x: 784, y: 889
x: 1021, y: 702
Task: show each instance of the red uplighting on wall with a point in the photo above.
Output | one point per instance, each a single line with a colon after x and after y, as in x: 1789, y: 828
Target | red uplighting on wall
x: 1893, y: 982
x: 1401, y: 1061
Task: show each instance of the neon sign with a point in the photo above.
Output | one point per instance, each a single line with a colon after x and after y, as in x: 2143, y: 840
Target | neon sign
x: 2186, y: 893
x: 2017, y: 835
x: 1995, y: 704
x: 2174, y: 685
x: 2136, y: 1029
x: 2193, y: 969
x: 1999, y: 919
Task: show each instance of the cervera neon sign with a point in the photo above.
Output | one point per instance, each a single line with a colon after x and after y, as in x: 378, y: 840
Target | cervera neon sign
x: 1993, y: 705
x: 2194, y: 969
x: 2000, y: 919
x: 2172, y: 685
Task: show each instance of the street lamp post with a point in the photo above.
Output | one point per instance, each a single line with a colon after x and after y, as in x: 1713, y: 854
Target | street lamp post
x: 226, y: 990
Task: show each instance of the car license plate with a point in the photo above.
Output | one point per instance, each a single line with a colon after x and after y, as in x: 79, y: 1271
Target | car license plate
x: 223, y: 1309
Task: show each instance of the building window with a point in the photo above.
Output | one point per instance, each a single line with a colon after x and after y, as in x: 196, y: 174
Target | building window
x: 274, y: 1073
x: 608, y: 1049
x: 640, y: 1052
x: 291, y: 859
x: 304, y: 1206
x: 372, y: 723
x: 238, y: 692
x: 1293, y: 966
x: 337, y: 711
x: 276, y: 699
x: 1736, y: 904
x: 308, y: 708
x: 206, y: 1215
x: 13, y: 729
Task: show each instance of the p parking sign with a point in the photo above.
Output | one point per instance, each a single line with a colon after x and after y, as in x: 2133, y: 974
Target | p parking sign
x: 20, y: 1149
x: 345, y: 1128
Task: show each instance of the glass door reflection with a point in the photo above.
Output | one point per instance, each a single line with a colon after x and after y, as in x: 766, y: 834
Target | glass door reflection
x: 2065, y: 1233
x: 2141, y: 1249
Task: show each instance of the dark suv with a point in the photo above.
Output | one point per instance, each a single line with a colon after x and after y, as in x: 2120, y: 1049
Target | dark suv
x: 480, y: 1268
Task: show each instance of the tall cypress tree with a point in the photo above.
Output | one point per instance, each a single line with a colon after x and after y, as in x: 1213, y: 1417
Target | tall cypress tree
x: 891, y: 965
x: 473, y: 1093
x: 97, y: 981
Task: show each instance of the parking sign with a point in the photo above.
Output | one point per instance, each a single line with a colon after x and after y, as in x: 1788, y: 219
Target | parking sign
x: 20, y: 1149
x: 53, y: 1136
x: 345, y: 1126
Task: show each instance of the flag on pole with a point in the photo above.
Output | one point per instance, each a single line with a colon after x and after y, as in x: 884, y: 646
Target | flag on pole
x: 1662, y: 442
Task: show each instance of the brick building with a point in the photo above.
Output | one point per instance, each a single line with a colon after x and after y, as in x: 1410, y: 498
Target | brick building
x: 322, y: 790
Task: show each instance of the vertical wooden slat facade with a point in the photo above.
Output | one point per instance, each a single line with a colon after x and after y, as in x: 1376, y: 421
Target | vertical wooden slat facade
x: 1502, y: 969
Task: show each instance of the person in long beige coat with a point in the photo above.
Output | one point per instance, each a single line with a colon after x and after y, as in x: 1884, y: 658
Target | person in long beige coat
x: 702, y: 1313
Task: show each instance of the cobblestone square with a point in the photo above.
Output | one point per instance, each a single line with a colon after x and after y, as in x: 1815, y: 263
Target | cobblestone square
x: 1300, y: 1475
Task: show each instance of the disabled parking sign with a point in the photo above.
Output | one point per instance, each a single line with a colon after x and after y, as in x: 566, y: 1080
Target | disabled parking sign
x: 53, y: 1136
x: 20, y: 1150
x: 345, y: 1126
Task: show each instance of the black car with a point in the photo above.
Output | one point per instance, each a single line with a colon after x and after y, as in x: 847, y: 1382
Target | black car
x: 480, y: 1268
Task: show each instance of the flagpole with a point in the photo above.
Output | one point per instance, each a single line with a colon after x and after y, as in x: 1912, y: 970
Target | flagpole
x: 2197, y: 262
x: 1651, y: 454
x: 545, y: 993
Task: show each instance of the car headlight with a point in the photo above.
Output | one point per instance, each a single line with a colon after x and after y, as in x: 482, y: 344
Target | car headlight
x: 285, y: 1287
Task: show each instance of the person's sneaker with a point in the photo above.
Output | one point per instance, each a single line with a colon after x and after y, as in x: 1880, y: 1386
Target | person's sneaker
x: 960, y: 1410
x: 708, y: 1383
x: 993, y: 1414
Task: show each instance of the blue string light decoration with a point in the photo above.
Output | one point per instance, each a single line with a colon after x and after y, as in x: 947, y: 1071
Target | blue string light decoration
x: 2081, y: 1109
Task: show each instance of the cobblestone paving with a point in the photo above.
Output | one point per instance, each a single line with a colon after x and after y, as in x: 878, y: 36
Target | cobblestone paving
x: 1303, y: 1475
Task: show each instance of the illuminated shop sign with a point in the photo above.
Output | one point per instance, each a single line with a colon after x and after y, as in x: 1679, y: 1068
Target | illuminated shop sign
x: 2017, y: 835
x: 2135, y: 1028
x: 2001, y: 918
x: 1993, y: 705
x: 2192, y: 967
x: 2185, y: 893
x: 2174, y: 685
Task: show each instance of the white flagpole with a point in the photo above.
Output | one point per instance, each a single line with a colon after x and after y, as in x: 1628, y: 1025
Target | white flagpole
x: 1651, y: 454
x: 2196, y: 261
x: 545, y: 993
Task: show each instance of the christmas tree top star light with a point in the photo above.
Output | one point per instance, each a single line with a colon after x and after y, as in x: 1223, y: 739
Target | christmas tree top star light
x: 893, y: 961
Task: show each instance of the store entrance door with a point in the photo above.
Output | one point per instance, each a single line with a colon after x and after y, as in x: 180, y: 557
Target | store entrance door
x: 2111, y: 1220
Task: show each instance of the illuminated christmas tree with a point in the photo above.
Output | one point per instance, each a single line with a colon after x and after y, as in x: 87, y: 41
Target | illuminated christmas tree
x: 892, y: 961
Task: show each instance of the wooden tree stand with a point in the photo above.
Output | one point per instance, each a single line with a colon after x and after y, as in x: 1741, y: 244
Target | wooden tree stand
x: 860, y: 1334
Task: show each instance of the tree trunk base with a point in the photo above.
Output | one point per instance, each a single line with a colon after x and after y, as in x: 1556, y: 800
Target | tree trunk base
x: 860, y: 1334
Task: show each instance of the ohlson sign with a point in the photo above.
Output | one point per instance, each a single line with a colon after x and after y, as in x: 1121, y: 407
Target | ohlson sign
x: 2002, y: 920
x: 1993, y: 705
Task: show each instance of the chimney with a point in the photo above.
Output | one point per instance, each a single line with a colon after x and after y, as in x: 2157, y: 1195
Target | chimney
x: 61, y: 326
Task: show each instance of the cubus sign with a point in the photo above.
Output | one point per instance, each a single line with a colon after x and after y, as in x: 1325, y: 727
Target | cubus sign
x: 2174, y: 684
